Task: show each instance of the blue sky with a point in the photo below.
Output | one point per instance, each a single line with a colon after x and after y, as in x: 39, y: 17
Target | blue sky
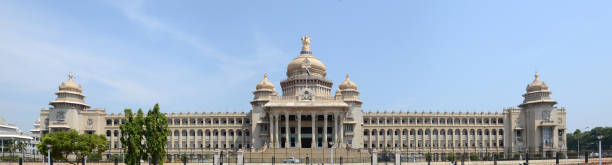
x: 207, y: 56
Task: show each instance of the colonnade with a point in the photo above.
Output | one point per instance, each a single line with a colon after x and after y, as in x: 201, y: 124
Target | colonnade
x: 276, y: 133
x: 436, y: 138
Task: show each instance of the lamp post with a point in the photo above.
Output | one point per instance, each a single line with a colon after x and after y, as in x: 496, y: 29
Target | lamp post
x: 599, y: 138
x: 332, y: 152
x: 49, y: 153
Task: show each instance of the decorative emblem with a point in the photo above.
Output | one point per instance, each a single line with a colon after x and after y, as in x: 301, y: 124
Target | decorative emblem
x: 546, y: 115
x: 305, y: 43
x: 60, y: 115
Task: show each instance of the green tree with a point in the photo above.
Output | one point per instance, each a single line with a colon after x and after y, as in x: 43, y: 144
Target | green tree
x: 11, y: 147
x: 428, y: 157
x: 63, y: 144
x: 156, y: 135
x: 473, y: 156
x: 451, y: 157
x: 132, y: 133
x: 87, y: 144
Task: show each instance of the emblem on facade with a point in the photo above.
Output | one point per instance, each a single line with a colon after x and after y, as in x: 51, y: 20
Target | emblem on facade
x: 546, y: 115
x: 60, y: 115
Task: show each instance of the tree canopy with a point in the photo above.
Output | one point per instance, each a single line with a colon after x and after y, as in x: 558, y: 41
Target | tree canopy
x: 70, y: 142
x: 154, y: 128
x: 156, y: 135
x: 588, y: 139
x: 132, y: 134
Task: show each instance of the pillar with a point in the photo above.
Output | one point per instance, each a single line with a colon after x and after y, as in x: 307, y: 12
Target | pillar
x: 216, y: 157
x: 342, y: 128
x: 286, y: 130
x: 397, y: 157
x: 314, y: 130
x: 277, y: 141
x: 374, y: 156
x: 299, y: 130
x: 324, y: 130
x: 239, y: 157
x: 271, y: 129
x: 336, y: 140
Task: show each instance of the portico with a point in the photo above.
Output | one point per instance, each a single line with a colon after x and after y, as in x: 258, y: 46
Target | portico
x: 306, y: 127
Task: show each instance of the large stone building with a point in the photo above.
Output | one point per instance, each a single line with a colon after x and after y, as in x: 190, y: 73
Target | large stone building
x: 306, y: 114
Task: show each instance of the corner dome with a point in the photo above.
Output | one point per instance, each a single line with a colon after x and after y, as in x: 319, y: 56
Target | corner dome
x: 265, y: 84
x: 70, y: 84
x: 536, y: 85
x: 348, y: 84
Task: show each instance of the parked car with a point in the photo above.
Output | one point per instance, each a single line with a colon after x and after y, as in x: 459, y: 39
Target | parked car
x: 291, y: 160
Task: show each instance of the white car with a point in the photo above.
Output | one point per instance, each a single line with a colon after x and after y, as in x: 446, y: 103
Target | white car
x: 291, y: 160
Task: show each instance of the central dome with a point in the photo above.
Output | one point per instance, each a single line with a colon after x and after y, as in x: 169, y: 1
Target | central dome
x: 306, y: 61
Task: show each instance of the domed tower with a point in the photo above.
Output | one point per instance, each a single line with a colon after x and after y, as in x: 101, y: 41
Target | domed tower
x: 306, y: 75
x: 349, y: 90
x: 67, y: 109
x: 539, y: 126
x: 264, y: 91
x: 69, y: 96
x: 537, y: 93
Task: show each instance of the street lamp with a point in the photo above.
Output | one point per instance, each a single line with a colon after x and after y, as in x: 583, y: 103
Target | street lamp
x: 331, y: 143
x: 49, y: 153
x: 599, y: 138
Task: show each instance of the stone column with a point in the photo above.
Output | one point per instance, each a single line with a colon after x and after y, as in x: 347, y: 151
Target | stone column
x: 286, y: 130
x: 555, y: 138
x: 397, y: 157
x: 271, y: 129
x: 324, y: 130
x: 335, y: 139
x: 299, y: 130
x: 277, y: 141
x: 239, y: 157
x: 180, y: 138
x: 342, y: 128
x: 216, y: 157
x: 374, y: 156
x: 314, y: 130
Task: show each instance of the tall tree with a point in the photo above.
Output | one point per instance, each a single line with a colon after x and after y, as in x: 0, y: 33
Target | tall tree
x: 132, y: 133
x: 156, y: 135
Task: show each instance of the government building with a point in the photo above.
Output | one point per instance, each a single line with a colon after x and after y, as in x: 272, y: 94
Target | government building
x: 309, y: 112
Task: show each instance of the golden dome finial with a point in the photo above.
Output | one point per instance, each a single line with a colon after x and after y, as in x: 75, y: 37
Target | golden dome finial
x: 347, y: 76
x: 265, y: 75
x: 536, y: 75
x: 70, y: 76
x: 305, y: 43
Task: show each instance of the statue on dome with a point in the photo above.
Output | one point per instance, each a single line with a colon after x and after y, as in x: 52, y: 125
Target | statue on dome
x: 306, y: 43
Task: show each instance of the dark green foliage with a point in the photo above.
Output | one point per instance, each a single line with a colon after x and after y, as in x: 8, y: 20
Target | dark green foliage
x: 156, y: 135
x: 473, y: 156
x: 588, y: 139
x: 94, y: 157
x: 132, y: 134
x: 428, y: 157
x: 451, y: 157
x: 70, y: 142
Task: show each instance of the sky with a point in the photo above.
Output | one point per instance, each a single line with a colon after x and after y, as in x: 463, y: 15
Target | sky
x: 207, y: 56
